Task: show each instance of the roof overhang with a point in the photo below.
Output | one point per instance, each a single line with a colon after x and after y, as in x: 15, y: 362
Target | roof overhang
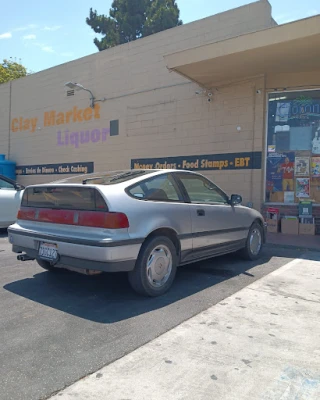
x: 285, y: 48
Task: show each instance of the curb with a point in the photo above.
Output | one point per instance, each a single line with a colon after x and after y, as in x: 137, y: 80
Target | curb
x: 293, y: 247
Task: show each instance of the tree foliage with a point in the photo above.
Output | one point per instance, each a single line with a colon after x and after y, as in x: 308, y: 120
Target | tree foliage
x: 10, y: 70
x: 162, y: 15
x: 129, y: 20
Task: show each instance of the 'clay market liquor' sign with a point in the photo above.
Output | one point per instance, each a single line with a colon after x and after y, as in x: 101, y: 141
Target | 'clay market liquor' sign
x: 66, y: 137
x: 54, y: 118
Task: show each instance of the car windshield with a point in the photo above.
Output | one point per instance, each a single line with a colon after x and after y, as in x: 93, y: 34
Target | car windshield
x: 105, y: 178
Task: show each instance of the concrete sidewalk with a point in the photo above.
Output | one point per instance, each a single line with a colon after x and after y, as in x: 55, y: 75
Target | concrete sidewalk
x: 263, y: 343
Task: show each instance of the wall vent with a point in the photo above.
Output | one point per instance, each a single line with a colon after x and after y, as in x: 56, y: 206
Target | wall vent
x: 70, y: 93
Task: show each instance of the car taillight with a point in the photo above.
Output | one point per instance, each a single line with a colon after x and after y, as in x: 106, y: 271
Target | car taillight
x: 109, y: 220
x: 26, y: 214
x: 93, y: 219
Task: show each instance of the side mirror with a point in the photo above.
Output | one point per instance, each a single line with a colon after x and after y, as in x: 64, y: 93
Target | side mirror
x: 18, y: 187
x: 235, y: 199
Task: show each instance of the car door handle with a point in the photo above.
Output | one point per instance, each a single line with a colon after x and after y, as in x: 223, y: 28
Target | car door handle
x: 201, y: 213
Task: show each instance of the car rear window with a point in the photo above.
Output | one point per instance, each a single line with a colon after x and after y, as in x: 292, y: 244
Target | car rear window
x: 73, y: 198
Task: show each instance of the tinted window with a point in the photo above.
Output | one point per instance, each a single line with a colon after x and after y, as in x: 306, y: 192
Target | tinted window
x: 65, y: 198
x: 200, y: 190
x: 159, y: 188
x: 138, y: 192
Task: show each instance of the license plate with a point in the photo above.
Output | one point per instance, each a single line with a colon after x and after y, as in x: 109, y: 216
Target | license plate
x: 48, y: 251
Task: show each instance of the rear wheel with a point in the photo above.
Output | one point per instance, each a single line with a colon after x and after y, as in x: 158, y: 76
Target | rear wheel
x: 155, y: 268
x: 46, y: 265
x: 254, y: 243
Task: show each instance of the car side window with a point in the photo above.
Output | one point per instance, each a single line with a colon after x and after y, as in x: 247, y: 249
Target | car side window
x: 6, y: 185
x: 201, y: 190
x: 137, y: 191
x: 159, y: 188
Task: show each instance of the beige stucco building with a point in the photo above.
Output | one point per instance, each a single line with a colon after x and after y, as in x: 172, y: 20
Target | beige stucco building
x: 233, y: 96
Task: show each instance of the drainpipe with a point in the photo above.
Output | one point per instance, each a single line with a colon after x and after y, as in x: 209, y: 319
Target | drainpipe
x: 254, y: 98
x: 9, y: 130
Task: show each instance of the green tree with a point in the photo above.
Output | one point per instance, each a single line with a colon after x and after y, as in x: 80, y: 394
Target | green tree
x: 129, y: 20
x: 161, y: 15
x: 10, y: 70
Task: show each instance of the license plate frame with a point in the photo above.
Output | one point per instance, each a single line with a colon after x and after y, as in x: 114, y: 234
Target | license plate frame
x: 48, y: 251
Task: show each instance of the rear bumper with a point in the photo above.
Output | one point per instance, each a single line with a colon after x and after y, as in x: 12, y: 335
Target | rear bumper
x: 110, y: 266
x: 82, y: 254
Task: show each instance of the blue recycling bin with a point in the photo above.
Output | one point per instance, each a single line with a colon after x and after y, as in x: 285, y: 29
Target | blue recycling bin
x: 7, y: 168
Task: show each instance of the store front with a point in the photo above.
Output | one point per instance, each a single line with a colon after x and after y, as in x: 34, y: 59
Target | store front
x: 288, y: 59
x: 293, y: 154
x: 293, y: 147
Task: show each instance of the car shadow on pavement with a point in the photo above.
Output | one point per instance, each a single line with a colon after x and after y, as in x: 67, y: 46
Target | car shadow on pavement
x: 108, y: 298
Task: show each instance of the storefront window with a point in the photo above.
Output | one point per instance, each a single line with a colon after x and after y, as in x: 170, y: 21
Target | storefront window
x: 293, y: 147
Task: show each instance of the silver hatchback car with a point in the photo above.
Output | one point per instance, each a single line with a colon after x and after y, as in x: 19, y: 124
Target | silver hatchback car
x: 144, y: 222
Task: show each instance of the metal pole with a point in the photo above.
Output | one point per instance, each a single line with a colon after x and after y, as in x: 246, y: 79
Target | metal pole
x: 9, y: 136
x: 92, y: 99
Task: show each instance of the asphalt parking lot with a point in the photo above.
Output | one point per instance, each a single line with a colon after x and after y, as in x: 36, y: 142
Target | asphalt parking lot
x: 56, y: 328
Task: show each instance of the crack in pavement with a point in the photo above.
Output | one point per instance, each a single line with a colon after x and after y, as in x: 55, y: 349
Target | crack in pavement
x: 286, y: 295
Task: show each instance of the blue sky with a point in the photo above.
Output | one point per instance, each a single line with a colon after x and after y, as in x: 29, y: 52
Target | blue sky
x: 44, y: 34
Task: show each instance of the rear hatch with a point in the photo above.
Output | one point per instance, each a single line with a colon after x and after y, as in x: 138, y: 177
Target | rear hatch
x: 67, y: 209
x: 64, y: 197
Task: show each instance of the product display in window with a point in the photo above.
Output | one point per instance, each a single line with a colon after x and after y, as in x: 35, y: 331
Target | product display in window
x: 315, y: 166
x: 302, y: 166
x: 315, y: 189
x: 316, y: 142
x: 293, y: 147
x: 280, y: 175
x: 302, y: 188
x: 288, y: 197
x: 286, y: 169
x: 282, y: 112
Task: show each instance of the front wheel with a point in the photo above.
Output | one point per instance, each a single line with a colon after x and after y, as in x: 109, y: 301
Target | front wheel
x: 155, y: 268
x: 254, y: 243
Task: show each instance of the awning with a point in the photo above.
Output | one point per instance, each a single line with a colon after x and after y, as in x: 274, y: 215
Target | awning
x: 285, y: 48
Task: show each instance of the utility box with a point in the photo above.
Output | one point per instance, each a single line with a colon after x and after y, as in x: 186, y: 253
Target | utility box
x: 307, y: 223
x: 307, y: 229
x: 290, y: 225
x: 272, y: 220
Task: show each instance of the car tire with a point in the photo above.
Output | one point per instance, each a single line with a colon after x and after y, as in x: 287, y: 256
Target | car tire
x: 46, y: 265
x: 254, y: 243
x: 155, y: 268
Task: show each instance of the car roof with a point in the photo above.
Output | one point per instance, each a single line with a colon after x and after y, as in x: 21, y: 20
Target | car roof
x: 107, y: 178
